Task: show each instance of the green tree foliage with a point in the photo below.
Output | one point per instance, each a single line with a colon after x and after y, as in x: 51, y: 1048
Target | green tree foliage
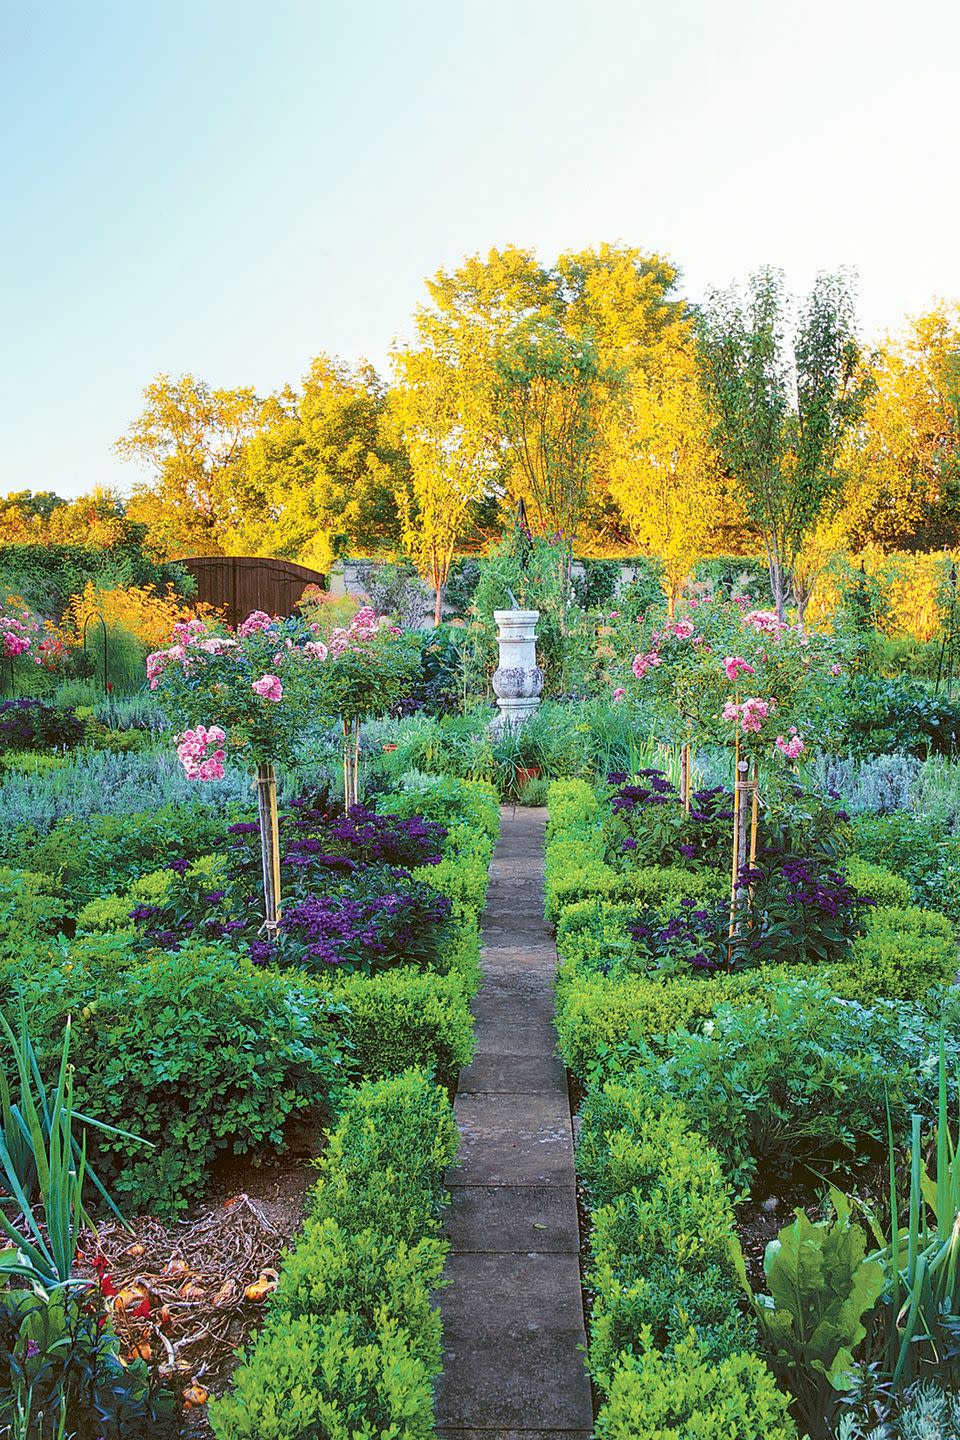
x: 322, y: 477
x: 614, y: 302
x: 452, y: 457
x: 552, y: 393
x: 189, y: 436
x: 783, y: 397
x: 904, y: 459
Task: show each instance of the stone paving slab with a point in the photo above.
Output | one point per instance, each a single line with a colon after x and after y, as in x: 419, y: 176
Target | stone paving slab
x: 516, y: 1038
x: 508, y: 1072
x: 514, y: 1140
x: 503, y: 1004
x: 515, y: 1434
x: 515, y: 1359
x: 512, y: 1310
x: 504, y: 1219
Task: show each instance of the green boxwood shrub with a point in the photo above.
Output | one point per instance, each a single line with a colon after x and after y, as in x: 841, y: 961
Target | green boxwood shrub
x: 351, y: 1345
x: 663, y: 1245
x: 682, y: 1395
x: 407, y: 1017
x: 877, y: 883
x: 903, y: 952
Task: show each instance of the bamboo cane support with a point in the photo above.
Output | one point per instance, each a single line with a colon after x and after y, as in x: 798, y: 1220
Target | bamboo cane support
x: 744, y: 803
x: 685, y: 772
x: 269, y: 848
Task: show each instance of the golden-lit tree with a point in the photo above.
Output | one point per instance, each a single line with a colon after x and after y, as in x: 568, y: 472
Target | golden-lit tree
x: 189, y: 436
x: 904, y: 458
x: 321, y: 478
x: 451, y: 453
x: 665, y: 474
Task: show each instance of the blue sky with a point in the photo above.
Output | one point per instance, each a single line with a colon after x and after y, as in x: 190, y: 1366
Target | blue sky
x: 228, y: 187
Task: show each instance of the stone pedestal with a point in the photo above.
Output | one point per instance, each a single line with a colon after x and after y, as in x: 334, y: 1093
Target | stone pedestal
x: 518, y: 679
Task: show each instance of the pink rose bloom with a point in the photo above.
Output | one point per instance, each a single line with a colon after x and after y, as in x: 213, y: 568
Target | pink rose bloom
x: 734, y: 664
x: 792, y: 747
x: 192, y: 748
x: 215, y: 644
x: 14, y: 645
x: 692, y: 604
x: 731, y: 711
x: 765, y: 622
x: 836, y: 669
x: 753, y: 712
x: 268, y: 687
x: 315, y: 649
x: 189, y: 632
x: 683, y: 629
x: 364, y: 623
x: 256, y: 620
x: 618, y: 694
x: 643, y: 663
x: 156, y: 664
x: 614, y: 615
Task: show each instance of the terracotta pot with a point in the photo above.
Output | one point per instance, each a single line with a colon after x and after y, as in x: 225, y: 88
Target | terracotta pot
x: 526, y: 773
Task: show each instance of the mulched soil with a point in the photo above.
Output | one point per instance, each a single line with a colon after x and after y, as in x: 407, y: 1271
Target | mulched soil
x: 190, y: 1291
x: 763, y: 1216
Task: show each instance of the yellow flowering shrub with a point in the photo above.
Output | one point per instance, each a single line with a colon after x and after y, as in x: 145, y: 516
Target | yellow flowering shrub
x: 139, y: 610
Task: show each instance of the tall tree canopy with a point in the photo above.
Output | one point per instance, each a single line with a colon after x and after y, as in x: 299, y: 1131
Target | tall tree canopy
x: 190, y: 436
x: 666, y: 476
x: 617, y: 301
x: 784, y: 395
x: 904, y: 459
x: 552, y: 394
x: 453, y: 459
x: 321, y: 479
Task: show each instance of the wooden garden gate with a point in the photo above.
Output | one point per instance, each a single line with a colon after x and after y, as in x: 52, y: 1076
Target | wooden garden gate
x: 238, y: 584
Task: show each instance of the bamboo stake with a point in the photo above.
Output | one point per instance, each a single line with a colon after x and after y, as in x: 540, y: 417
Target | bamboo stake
x: 269, y: 848
x: 736, y: 837
x: 685, y: 770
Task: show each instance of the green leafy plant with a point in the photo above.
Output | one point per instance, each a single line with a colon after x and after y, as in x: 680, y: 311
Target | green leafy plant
x: 921, y: 1258
x: 821, y: 1287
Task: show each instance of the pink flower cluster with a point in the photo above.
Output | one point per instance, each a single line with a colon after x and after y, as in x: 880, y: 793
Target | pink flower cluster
x: 192, y: 752
x: 836, y: 669
x: 751, y: 713
x: 618, y: 694
x: 363, y: 627
x: 256, y: 620
x: 14, y: 636
x: 765, y: 622
x: 643, y: 663
x: 734, y: 665
x: 793, y: 746
x: 268, y: 687
x: 316, y: 650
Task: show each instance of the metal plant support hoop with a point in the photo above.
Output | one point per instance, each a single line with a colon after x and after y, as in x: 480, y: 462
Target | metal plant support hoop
x: 103, y: 627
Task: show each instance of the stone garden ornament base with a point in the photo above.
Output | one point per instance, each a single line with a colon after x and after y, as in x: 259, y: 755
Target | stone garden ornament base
x: 518, y: 680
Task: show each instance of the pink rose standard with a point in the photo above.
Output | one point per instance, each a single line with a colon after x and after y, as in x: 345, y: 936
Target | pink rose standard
x: 268, y: 687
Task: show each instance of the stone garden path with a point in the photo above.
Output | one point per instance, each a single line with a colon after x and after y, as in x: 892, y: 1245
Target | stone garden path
x: 512, y: 1312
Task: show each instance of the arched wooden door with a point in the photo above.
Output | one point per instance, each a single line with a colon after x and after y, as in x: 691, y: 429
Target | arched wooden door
x: 238, y: 584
